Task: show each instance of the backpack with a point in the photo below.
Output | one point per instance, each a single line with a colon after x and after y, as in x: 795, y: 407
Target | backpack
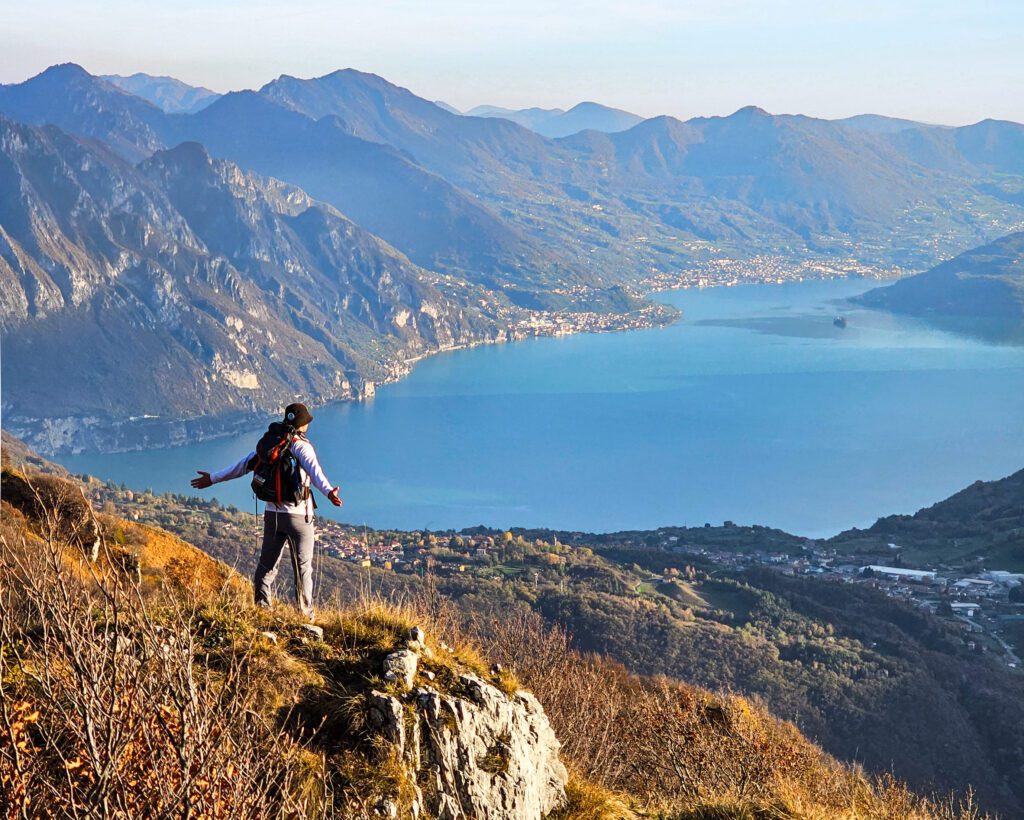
x: 276, y: 475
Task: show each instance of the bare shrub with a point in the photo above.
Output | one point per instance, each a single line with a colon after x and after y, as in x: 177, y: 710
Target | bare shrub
x: 116, y: 705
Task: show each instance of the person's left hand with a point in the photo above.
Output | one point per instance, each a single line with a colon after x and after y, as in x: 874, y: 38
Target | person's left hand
x: 334, y: 498
x: 202, y: 482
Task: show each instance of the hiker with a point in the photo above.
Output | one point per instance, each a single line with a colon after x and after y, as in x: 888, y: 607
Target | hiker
x: 284, y: 465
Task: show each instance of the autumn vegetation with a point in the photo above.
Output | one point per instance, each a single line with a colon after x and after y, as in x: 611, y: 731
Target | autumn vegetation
x: 143, y: 684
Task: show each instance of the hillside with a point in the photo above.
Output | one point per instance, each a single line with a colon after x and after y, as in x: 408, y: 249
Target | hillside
x: 185, y: 288
x: 857, y: 670
x: 231, y: 711
x: 980, y: 291
x: 982, y: 523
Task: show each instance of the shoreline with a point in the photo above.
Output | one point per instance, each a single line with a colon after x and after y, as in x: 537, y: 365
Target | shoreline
x: 157, y: 433
x: 91, y: 434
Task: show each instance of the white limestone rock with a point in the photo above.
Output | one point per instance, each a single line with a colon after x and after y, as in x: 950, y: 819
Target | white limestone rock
x: 490, y: 756
x: 401, y: 665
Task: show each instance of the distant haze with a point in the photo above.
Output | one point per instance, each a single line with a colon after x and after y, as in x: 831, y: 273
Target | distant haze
x: 943, y: 61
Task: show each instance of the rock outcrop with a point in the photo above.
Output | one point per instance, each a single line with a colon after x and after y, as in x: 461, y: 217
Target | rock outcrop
x: 57, y: 507
x: 472, y: 750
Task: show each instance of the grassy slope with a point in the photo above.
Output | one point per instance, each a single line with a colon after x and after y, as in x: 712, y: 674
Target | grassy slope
x: 311, y: 686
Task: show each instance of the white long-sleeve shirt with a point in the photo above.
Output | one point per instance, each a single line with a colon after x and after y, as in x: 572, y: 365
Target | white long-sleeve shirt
x: 310, y: 473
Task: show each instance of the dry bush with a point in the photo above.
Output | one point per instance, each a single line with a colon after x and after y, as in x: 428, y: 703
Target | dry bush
x: 113, y: 704
x: 56, y: 505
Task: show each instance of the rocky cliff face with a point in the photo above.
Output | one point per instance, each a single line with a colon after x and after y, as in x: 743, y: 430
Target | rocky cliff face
x: 137, y: 302
x: 472, y: 751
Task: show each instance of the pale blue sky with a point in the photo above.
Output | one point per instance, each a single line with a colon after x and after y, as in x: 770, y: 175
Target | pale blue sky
x: 952, y: 61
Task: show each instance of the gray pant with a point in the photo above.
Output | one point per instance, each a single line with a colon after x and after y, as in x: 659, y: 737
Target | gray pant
x: 295, y: 531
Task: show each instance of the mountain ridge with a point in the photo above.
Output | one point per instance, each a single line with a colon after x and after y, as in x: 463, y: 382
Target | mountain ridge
x: 78, y: 282
x: 168, y: 93
x: 559, y: 122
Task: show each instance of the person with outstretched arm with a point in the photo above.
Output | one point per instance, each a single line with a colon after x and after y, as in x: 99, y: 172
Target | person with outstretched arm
x: 287, y: 465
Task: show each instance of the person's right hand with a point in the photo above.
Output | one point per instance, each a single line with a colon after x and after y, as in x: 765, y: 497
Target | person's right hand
x: 202, y: 482
x: 334, y: 498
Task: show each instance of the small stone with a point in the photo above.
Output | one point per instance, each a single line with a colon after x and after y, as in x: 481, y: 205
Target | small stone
x: 417, y: 634
x: 390, y: 675
x: 270, y: 636
x: 314, y: 631
x: 403, y: 665
x: 496, y: 669
x: 429, y: 675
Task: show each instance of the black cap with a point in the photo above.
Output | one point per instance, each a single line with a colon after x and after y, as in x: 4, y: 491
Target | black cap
x: 296, y: 415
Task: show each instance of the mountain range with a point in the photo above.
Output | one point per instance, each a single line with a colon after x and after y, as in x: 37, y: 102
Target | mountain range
x: 389, y: 202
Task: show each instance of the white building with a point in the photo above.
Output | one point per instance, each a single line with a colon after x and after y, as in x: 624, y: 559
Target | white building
x: 900, y: 572
x: 1001, y: 576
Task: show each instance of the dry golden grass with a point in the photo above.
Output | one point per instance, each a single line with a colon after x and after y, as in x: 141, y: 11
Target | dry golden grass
x: 587, y: 801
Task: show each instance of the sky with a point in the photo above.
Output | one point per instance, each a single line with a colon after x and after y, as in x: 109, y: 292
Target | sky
x: 944, y: 61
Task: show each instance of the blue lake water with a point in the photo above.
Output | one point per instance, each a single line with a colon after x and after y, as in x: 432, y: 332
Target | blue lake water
x: 755, y: 408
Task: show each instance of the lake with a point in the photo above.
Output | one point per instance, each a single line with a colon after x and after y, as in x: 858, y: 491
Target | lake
x: 754, y: 408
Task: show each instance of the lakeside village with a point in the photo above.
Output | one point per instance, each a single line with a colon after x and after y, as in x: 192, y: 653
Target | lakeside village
x: 986, y: 605
x: 717, y: 272
x: 981, y: 604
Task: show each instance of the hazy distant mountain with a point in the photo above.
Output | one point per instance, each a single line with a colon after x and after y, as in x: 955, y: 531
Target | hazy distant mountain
x: 70, y: 97
x: 556, y: 122
x: 471, y: 152
x: 589, y: 116
x: 507, y: 207
x: 776, y: 181
x: 989, y: 147
x: 169, y: 94
x: 517, y: 173
x: 753, y: 174
x: 187, y: 288
x: 381, y: 188
x: 526, y: 117
x: 451, y: 109
x: 984, y: 283
x: 878, y: 124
